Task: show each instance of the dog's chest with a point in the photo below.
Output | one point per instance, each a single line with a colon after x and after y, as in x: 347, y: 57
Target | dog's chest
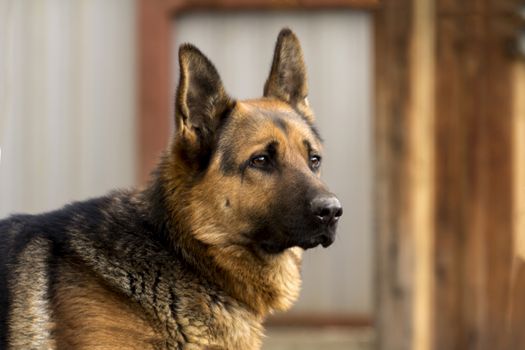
x: 213, y: 324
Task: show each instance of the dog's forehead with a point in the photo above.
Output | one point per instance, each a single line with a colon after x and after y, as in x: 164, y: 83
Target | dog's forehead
x: 265, y: 109
x: 261, y: 114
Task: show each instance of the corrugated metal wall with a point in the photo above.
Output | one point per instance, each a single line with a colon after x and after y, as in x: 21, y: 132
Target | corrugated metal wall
x: 337, y: 47
x: 67, y: 101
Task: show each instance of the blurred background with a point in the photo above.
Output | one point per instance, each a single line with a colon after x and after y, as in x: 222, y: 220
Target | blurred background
x: 422, y: 107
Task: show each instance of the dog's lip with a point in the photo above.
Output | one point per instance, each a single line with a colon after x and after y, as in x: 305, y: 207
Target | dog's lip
x: 309, y: 244
x: 325, y: 239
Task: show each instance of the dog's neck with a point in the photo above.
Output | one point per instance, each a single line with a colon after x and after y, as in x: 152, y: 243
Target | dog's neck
x: 262, y: 282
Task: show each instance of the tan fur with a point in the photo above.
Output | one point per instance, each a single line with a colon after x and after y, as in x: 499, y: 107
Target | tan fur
x: 91, y: 316
x: 30, y: 321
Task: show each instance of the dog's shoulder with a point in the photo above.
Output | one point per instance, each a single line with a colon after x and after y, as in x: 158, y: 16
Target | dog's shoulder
x: 80, y: 228
x: 90, y: 217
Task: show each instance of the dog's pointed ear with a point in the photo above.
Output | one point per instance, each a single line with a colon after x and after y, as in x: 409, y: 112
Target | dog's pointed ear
x: 201, y: 100
x: 287, y: 80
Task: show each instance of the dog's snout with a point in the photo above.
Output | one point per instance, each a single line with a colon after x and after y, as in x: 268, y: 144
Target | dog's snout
x: 327, y: 208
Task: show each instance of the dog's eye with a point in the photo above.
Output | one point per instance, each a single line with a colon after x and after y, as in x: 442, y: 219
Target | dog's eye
x: 315, y: 162
x: 260, y: 161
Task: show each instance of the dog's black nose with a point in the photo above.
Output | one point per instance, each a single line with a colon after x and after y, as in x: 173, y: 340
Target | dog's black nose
x: 327, y: 208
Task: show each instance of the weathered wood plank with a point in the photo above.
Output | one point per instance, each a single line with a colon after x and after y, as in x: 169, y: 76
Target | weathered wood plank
x: 496, y: 169
x: 473, y: 180
x: 180, y: 5
x: 459, y: 71
x: 154, y: 62
x: 422, y: 164
x: 393, y: 25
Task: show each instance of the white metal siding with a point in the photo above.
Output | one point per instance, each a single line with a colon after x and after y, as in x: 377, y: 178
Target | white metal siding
x: 67, y: 101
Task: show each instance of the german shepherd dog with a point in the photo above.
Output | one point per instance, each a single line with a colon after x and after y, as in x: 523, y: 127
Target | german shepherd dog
x: 204, y: 253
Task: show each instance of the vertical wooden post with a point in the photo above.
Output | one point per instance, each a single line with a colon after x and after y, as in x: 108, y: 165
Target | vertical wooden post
x: 422, y: 166
x: 395, y: 258
x: 459, y: 265
x: 154, y: 84
x: 405, y: 154
x: 473, y: 226
x: 516, y: 303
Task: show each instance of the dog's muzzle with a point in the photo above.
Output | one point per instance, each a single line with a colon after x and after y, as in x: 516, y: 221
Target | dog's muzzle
x: 326, y: 210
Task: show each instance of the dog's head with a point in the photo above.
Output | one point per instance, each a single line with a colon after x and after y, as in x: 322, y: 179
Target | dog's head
x: 253, y: 166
